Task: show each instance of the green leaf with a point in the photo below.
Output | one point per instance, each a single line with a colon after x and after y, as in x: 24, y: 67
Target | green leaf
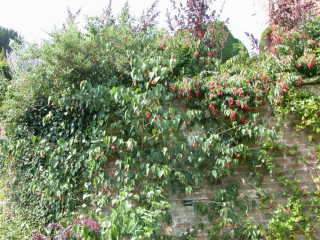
x: 214, y: 173
x: 34, y: 139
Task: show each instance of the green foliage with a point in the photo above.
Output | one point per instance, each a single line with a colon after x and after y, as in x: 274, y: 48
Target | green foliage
x: 265, y: 39
x: 5, y: 36
x: 5, y: 70
x: 113, y: 117
x: 13, y: 225
x: 5, y: 77
x: 232, y: 46
x: 80, y: 117
x: 224, y: 211
x: 311, y: 28
x: 127, y: 221
x: 203, y: 24
x: 298, y: 48
x: 305, y: 106
x: 289, y: 221
x: 188, y: 56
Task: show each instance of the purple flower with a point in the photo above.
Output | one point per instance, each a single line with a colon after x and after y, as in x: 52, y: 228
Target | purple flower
x: 66, y: 233
x: 90, y: 223
x: 54, y: 226
x: 313, y: 157
x: 37, y: 236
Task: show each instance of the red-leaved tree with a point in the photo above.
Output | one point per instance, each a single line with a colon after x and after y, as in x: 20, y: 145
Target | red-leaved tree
x: 196, y: 17
x: 290, y: 13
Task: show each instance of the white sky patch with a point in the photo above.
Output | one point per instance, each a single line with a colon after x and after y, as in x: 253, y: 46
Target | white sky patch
x: 34, y: 19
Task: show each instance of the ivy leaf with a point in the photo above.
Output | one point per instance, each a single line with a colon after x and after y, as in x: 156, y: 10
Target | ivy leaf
x: 214, y: 173
x: 34, y: 139
x: 160, y: 173
x: 188, y: 190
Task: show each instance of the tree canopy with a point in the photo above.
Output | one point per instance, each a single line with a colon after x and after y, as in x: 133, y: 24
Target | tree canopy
x: 5, y: 36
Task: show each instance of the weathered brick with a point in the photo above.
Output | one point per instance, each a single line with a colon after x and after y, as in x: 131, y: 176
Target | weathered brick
x: 296, y: 161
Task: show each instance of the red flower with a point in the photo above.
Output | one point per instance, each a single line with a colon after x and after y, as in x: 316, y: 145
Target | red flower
x: 285, y: 87
x: 243, y: 120
x: 231, y: 102
x: 188, y: 96
x: 299, y: 82
x: 210, y: 54
x: 297, y: 65
x: 212, y: 108
x: 198, y: 92
x: 275, y: 39
x: 233, y: 115
x: 180, y: 92
x: 215, y: 114
x: 237, y: 93
x: 245, y: 108
x: 184, y: 123
x: 196, y: 54
x: 278, y: 102
x: 113, y: 147
x: 200, y: 34
x: 148, y: 115
x: 265, y: 80
x: 161, y: 46
x: 310, y: 65
x: 273, y: 51
x: 220, y: 93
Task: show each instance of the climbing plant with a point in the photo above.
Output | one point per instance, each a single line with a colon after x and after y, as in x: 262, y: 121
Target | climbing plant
x: 111, y: 122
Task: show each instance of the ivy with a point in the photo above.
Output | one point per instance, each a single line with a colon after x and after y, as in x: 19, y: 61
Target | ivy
x: 305, y: 106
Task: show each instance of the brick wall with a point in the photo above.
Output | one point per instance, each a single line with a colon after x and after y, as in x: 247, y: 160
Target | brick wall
x: 297, y: 161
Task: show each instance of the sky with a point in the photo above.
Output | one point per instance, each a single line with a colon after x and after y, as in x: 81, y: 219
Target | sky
x: 34, y: 19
